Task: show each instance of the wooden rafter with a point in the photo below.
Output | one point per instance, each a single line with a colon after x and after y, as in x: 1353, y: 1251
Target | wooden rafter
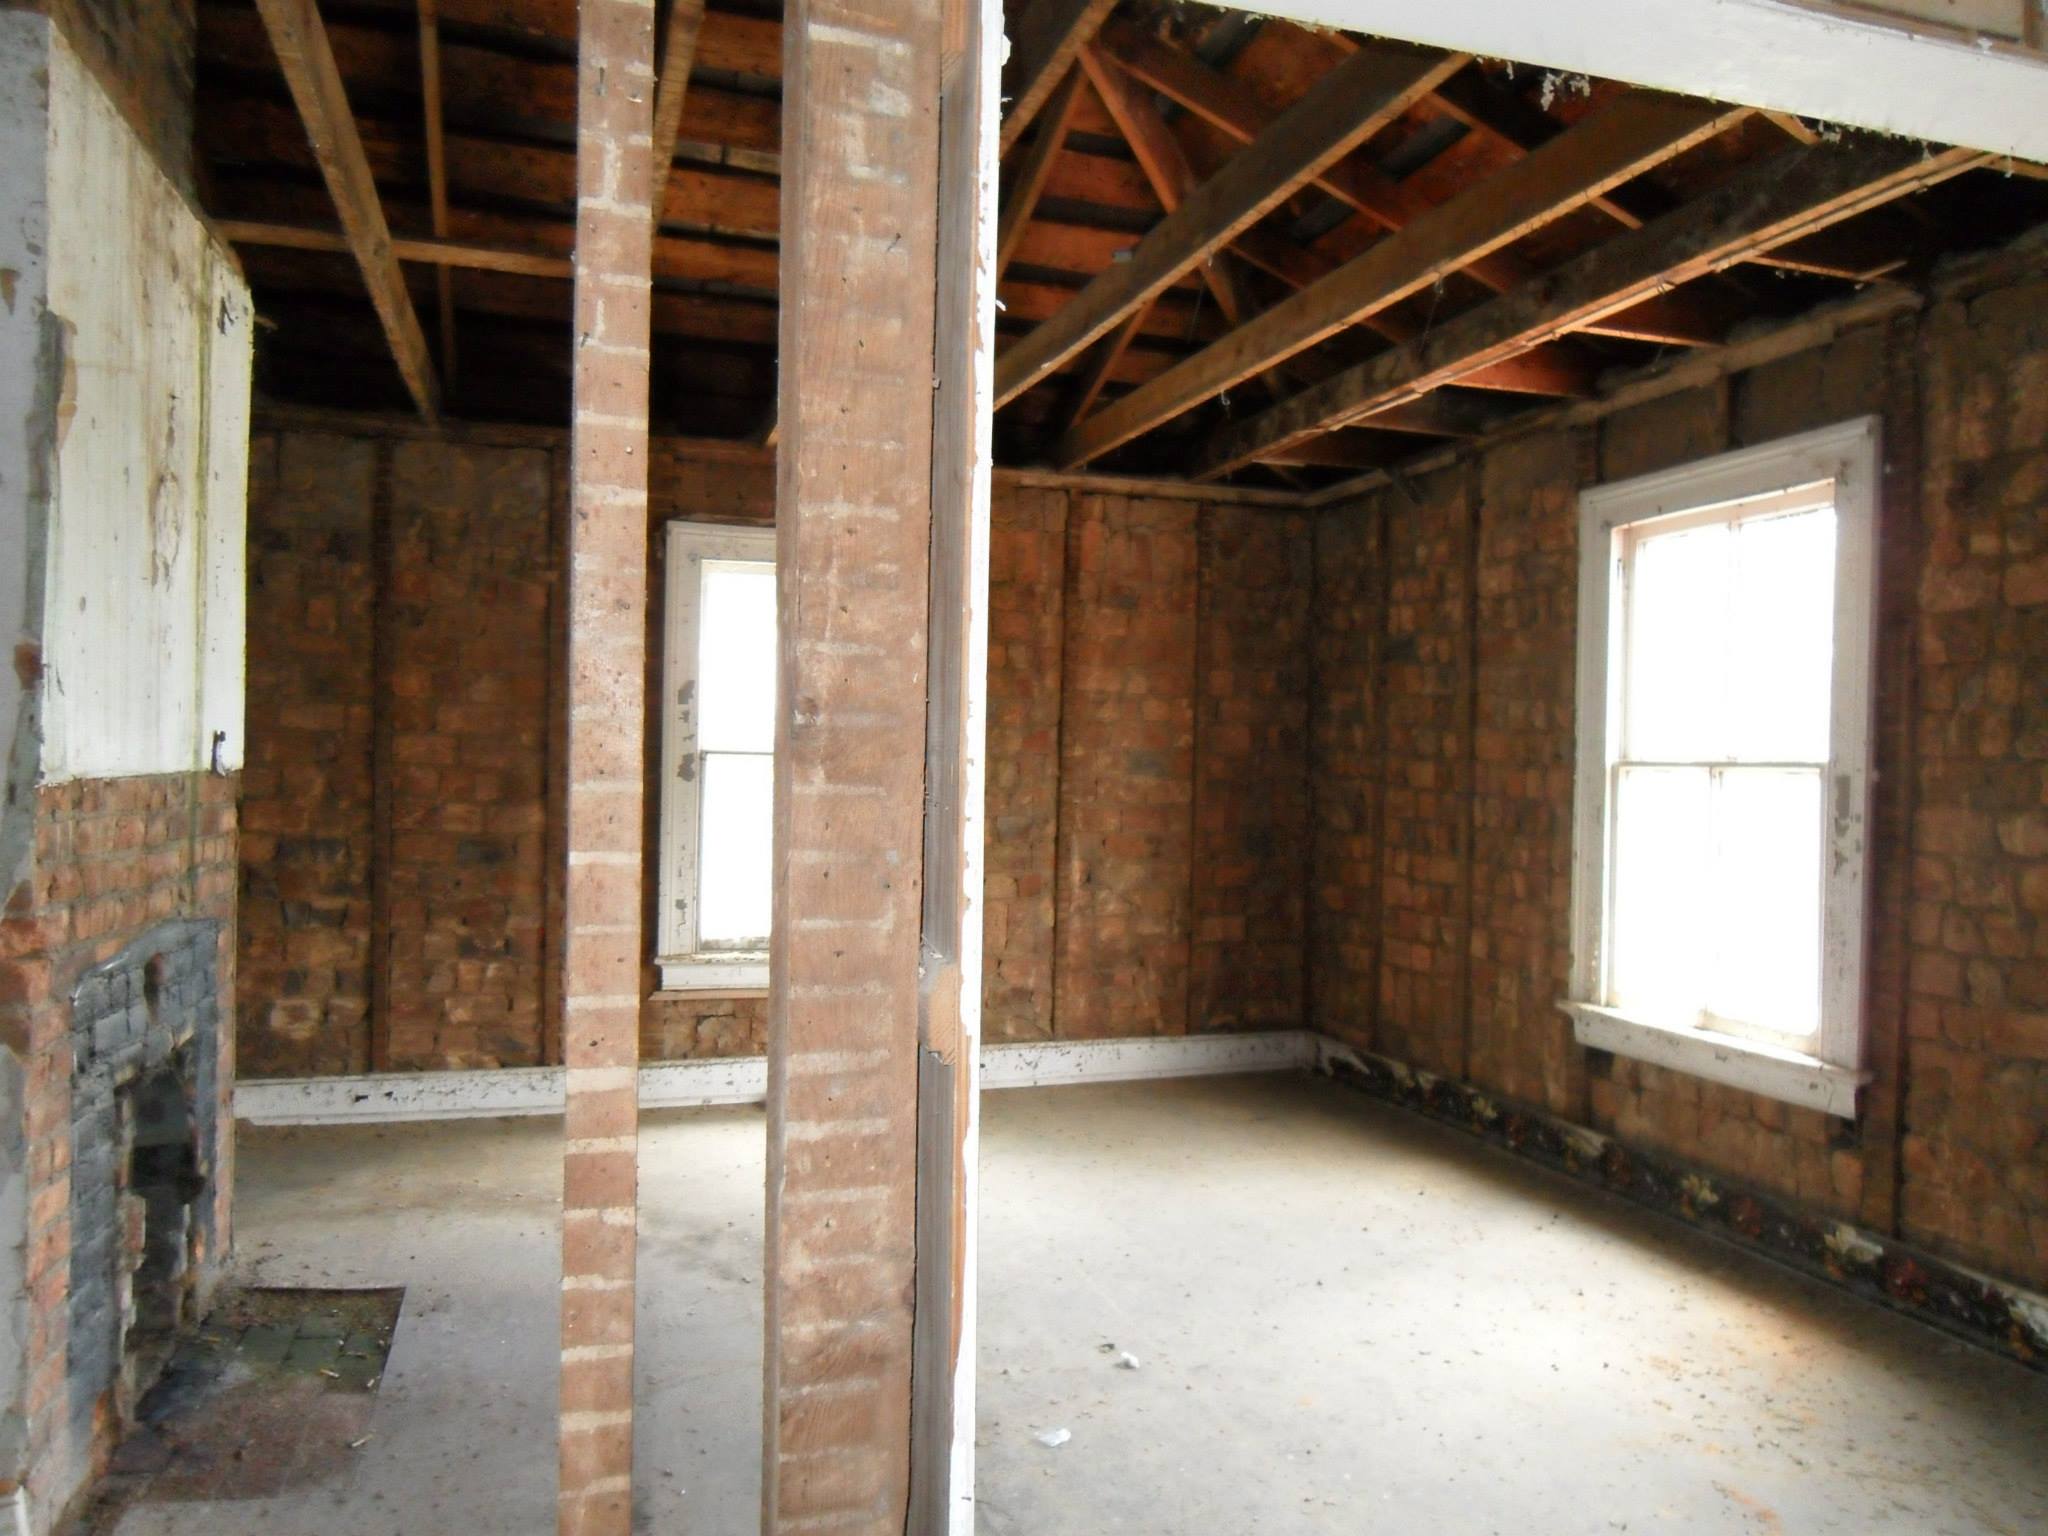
x: 1164, y: 164
x: 1042, y: 48
x: 1099, y: 365
x: 1513, y: 125
x: 1632, y: 134
x: 1343, y: 109
x: 300, y: 41
x: 437, y: 174
x: 1778, y: 199
x: 1386, y: 204
x: 678, y: 57
x: 1020, y: 199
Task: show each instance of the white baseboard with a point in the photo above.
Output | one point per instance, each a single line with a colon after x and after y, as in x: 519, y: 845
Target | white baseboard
x: 387, y: 1097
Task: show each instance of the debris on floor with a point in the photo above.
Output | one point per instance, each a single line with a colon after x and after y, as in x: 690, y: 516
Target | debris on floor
x: 274, y: 1392
x: 1053, y: 1439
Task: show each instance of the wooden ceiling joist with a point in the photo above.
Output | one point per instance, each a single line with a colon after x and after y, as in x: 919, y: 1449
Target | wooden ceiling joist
x: 1042, y: 47
x: 1632, y: 134
x: 678, y: 57
x: 1034, y: 169
x: 437, y: 174
x: 1166, y: 169
x: 1767, y: 202
x: 300, y: 41
x: 442, y: 253
x: 1385, y: 203
x: 1345, y: 108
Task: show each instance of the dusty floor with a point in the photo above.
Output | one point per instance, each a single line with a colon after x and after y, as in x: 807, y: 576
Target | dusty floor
x: 1345, y: 1321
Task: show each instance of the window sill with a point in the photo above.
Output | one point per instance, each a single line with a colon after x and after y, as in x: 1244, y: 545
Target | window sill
x: 729, y: 978
x: 1770, y: 1070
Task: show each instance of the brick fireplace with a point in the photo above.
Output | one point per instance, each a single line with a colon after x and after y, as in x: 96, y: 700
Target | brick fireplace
x: 145, y: 1033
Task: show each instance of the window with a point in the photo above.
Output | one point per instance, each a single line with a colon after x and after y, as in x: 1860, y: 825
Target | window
x: 1725, y: 630
x: 717, y: 757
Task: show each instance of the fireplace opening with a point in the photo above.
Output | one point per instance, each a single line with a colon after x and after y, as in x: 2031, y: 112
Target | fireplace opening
x: 145, y: 1028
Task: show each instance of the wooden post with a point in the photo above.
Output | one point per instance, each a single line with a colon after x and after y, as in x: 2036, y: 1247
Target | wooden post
x: 881, y: 549
x: 607, y: 563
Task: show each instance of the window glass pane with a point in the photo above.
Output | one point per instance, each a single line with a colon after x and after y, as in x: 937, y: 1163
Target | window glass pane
x: 736, y: 657
x: 1676, y: 657
x: 1663, y: 930
x: 1781, y: 637
x: 736, y: 814
x: 1767, y: 825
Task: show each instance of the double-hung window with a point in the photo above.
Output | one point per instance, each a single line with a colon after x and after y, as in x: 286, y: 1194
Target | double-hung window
x: 1725, y: 634
x: 717, y: 758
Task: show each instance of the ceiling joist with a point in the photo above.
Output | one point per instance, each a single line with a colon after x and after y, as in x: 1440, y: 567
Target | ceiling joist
x: 1042, y: 47
x: 1341, y: 111
x: 1632, y: 134
x: 1779, y: 199
x: 300, y: 40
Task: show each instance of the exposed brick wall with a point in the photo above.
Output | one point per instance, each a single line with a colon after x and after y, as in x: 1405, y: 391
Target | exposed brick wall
x: 1027, y: 589
x: 307, y: 841
x: 403, y: 778
x: 113, y: 858
x: 1473, y: 937
x: 461, y: 757
x: 1127, y: 751
x: 1250, y: 857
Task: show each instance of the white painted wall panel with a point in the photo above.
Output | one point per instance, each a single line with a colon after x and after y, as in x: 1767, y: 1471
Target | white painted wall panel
x: 24, y: 42
x: 141, y: 667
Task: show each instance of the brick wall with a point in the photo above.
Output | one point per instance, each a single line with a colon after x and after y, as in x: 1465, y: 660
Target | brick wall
x: 1443, y: 757
x: 403, y: 778
x: 112, y: 859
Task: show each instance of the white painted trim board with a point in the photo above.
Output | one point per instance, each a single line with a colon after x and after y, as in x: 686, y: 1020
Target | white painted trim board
x: 391, y: 1097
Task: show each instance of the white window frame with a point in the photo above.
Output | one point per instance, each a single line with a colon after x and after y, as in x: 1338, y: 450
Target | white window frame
x: 682, y: 968
x: 1846, y: 459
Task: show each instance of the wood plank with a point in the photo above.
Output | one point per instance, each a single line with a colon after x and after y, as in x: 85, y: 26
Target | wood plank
x: 485, y: 243
x: 495, y: 170
x: 854, y: 540
x: 678, y: 57
x: 302, y: 52
x: 1020, y: 199
x: 605, y: 571
x: 483, y: 89
x: 1772, y: 201
x: 1635, y: 132
x: 1098, y: 366
x: 949, y: 1018
x: 1042, y: 47
x: 1163, y: 162
x: 1389, y: 205
x: 732, y: 42
x: 1512, y: 123
x: 437, y: 175
x: 1347, y: 107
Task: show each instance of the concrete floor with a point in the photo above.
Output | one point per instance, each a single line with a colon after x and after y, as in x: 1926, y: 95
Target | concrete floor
x: 1346, y: 1320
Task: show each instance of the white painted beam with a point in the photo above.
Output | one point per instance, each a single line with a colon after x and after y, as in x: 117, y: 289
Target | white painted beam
x: 388, y: 1097
x: 1783, y: 56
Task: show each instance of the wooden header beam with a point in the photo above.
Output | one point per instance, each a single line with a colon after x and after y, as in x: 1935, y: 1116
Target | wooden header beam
x: 303, y: 53
x: 1778, y: 199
